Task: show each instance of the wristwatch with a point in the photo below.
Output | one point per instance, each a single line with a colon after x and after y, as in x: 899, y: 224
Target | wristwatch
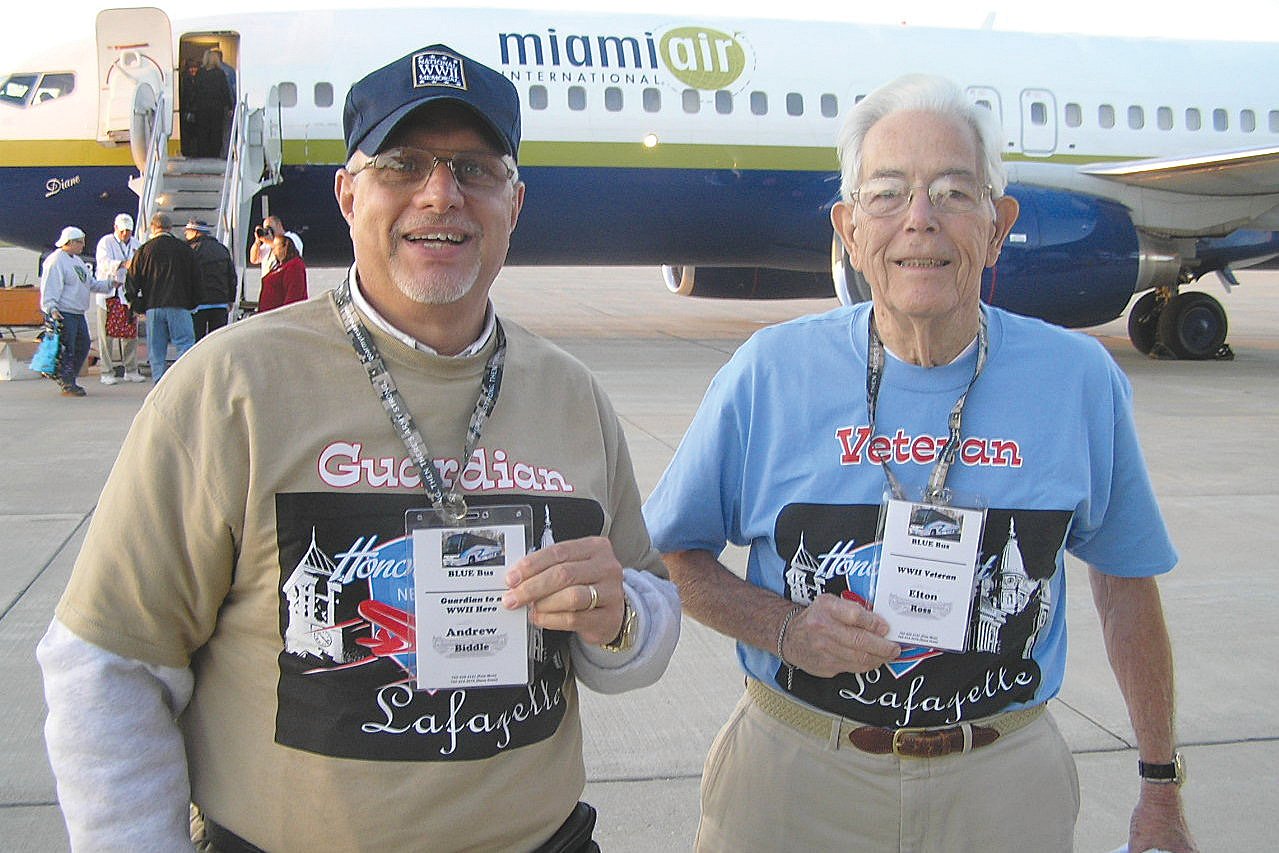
x: 1173, y: 773
x: 625, y: 638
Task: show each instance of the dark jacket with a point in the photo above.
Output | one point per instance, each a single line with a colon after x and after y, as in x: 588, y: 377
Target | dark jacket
x: 217, y: 271
x: 163, y: 274
x: 212, y: 95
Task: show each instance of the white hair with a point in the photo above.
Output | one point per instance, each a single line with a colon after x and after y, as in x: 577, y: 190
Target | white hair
x: 919, y: 93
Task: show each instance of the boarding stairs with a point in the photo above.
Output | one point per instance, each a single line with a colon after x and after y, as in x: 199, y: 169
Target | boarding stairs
x: 217, y: 191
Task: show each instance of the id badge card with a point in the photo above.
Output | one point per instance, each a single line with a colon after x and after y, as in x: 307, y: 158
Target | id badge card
x: 926, y: 581
x: 465, y: 637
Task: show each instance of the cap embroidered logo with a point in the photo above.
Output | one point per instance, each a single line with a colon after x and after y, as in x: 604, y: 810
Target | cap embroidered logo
x: 438, y: 69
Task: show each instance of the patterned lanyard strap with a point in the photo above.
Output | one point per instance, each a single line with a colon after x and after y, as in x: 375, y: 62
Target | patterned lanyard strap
x: 451, y: 503
x: 936, y: 491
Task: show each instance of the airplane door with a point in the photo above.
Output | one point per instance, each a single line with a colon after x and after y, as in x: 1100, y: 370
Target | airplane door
x: 135, y: 68
x: 989, y: 98
x: 1038, y: 122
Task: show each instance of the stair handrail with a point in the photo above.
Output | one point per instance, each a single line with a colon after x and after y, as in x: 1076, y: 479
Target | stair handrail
x: 157, y: 160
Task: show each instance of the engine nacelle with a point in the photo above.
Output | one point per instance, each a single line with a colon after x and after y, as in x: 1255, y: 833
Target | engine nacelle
x: 1073, y: 259
x: 747, y: 282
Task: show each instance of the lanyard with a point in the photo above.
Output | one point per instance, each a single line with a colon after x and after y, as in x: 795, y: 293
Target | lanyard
x: 450, y: 503
x: 936, y: 491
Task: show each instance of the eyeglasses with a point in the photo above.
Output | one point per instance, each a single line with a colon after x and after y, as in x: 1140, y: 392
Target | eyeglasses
x: 474, y: 171
x: 947, y: 193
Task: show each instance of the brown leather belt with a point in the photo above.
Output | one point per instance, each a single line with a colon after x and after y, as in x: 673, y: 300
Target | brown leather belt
x: 906, y: 743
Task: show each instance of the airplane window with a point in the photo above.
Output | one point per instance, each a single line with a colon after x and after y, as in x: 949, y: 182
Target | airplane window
x: 723, y: 102
x: 652, y: 100
x: 323, y: 94
x: 1136, y: 117
x: 1193, y: 119
x: 1220, y: 121
x: 537, y: 97
x: 830, y: 106
x: 794, y: 104
x: 16, y: 89
x: 576, y: 98
x: 1247, y: 121
x: 1274, y: 121
x: 288, y: 94
x: 54, y: 86
x: 1106, y: 116
x: 1039, y: 113
x: 1163, y: 117
x: 1074, y: 115
x: 759, y: 103
x: 692, y: 101
x: 613, y: 99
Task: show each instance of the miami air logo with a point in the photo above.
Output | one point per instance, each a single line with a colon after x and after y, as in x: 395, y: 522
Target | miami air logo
x: 681, y: 57
x: 702, y: 58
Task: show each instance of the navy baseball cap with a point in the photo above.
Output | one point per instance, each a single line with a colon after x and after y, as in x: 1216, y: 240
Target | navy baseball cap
x: 379, y: 102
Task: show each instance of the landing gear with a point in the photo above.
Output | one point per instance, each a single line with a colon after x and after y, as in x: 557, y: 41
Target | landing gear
x: 1143, y: 323
x: 1190, y: 325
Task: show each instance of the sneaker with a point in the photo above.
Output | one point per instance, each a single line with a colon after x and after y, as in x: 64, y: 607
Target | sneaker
x: 134, y: 377
x: 109, y: 379
x: 72, y: 391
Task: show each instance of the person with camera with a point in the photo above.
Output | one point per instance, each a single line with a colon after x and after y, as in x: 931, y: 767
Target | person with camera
x: 286, y: 283
x: 264, y: 239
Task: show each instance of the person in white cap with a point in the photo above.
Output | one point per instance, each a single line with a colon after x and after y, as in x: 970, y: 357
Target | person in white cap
x: 113, y: 254
x: 65, y: 284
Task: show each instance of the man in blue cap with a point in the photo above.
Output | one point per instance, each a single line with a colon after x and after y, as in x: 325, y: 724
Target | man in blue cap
x: 300, y: 476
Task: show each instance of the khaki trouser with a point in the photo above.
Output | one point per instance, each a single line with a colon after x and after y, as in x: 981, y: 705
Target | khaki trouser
x: 769, y: 787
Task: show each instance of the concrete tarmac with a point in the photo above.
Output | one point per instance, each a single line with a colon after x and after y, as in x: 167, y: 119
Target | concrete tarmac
x: 1210, y: 431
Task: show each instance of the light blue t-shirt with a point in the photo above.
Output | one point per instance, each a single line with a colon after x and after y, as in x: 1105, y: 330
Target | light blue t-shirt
x: 779, y: 457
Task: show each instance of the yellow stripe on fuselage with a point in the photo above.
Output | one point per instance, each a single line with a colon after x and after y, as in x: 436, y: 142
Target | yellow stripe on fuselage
x: 57, y: 153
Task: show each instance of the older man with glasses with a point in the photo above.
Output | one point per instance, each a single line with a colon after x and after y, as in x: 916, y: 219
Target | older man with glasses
x: 268, y: 559
x: 909, y: 473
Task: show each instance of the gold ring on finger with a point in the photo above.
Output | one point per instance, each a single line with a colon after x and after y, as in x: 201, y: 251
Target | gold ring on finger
x: 595, y: 596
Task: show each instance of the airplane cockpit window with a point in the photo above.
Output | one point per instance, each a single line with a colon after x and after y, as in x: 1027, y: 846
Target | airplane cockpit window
x: 323, y: 94
x: 652, y: 100
x: 32, y: 89
x: 17, y: 88
x: 1193, y: 120
x: 723, y: 102
x: 794, y: 104
x: 538, y: 98
x: 1247, y: 121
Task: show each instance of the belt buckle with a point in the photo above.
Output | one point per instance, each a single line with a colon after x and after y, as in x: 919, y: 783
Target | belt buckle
x: 898, y: 735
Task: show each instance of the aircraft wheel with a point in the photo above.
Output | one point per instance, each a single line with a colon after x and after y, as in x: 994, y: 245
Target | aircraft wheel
x: 1193, y: 325
x: 1143, y: 323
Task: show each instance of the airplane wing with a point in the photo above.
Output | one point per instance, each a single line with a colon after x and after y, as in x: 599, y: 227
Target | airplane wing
x: 1200, y: 195
x: 1248, y: 172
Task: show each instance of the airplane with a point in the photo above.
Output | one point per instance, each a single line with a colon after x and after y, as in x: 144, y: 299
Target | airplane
x: 705, y: 146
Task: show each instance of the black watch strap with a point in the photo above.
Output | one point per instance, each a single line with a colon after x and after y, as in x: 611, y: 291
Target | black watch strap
x: 1173, y: 772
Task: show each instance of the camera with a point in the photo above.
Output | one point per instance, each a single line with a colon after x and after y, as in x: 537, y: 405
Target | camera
x: 264, y: 233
